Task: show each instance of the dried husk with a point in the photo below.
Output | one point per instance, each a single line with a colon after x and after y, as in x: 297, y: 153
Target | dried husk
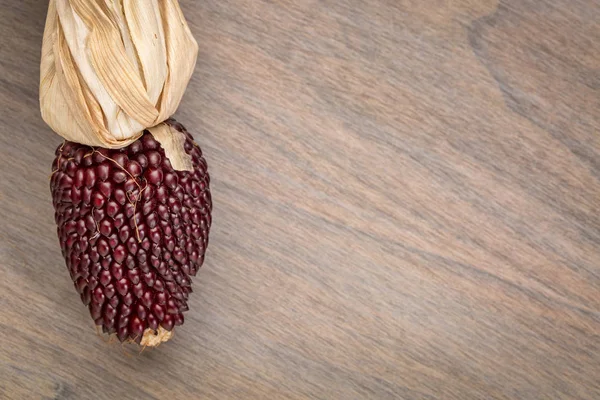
x: 112, y: 68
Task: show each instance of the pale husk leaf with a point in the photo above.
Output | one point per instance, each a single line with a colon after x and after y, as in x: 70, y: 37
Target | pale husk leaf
x: 112, y: 68
x: 173, y: 141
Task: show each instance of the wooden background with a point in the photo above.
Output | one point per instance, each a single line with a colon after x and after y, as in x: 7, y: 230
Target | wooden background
x: 407, y: 198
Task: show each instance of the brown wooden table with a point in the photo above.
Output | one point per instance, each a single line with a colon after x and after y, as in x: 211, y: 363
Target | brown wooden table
x: 407, y: 206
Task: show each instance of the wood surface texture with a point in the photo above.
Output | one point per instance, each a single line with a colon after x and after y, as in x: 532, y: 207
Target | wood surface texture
x: 406, y: 206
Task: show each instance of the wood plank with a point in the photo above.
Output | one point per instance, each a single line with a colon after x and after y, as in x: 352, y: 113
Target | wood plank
x: 406, y: 206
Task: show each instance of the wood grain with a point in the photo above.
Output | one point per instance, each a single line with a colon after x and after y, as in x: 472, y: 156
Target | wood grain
x: 407, y: 199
